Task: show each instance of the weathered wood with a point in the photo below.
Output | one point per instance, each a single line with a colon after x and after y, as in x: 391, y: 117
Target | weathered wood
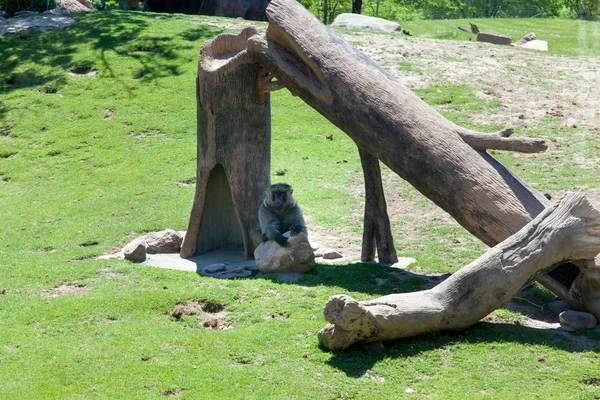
x: 569, y: 230
x: 388, y: 121
x: 376, y: 230
x: 234, y: 141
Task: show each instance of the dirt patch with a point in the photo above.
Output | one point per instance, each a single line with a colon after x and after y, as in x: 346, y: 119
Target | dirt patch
x: 276, y: 316
x: 66, y: 290
x: 210, y: 314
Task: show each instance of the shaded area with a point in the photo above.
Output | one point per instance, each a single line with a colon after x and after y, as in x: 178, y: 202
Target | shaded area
x: 33, y: 58
x: 356, y: 361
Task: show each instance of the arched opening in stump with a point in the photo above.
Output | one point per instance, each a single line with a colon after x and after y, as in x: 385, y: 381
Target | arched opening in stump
x: 219, y: 226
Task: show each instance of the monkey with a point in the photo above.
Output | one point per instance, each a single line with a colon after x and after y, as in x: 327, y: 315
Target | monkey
x: 278, y: 214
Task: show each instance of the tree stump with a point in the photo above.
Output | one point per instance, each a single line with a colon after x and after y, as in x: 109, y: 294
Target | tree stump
x: 234, y: 146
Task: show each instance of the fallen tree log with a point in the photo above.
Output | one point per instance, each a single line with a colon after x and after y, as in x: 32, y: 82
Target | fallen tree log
x: 445, y: 162
x: 569, y: 230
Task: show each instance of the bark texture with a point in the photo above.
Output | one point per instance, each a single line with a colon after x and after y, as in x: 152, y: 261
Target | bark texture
x: 376, y: 229
x: 443, y: 161
x: 569, y: 230
x: 234, y: 146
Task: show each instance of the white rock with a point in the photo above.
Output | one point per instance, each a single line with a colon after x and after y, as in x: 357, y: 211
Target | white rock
x: 540, y: 45
x: 135, y: 250
x: 297, y: 257
x: 358, y: 21
x: 403, y: 262
x: 331, y: 254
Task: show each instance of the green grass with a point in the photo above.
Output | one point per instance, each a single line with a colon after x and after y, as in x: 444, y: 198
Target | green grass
x: 87, y: 163
x: 564, y: 36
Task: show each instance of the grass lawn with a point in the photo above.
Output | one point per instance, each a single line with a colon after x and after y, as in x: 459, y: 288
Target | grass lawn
x: 87, y: 163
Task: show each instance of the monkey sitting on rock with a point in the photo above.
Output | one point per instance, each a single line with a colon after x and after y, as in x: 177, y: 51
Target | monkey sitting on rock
x: 278, y: 214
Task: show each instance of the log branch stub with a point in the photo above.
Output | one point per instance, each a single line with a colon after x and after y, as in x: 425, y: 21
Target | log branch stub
x: 502, y: 141
x: 569, y: 230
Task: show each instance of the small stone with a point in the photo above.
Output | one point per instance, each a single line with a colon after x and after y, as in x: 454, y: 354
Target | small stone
x: 558, y: 306
x: 403, y: 262
x: 214, y: 268
x: 332, y: 255
x: 409, y: 390
x: 527, y: 38
x: 135, y: 250
x: 3, y: 14
x: 315, y: 246
x: 578, y: 320
x: 167, y: 241
x: 565, y: 328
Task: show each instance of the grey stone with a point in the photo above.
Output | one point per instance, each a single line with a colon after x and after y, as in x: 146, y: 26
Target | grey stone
x: 3, y: 14
x: 403, y: 262
x: 578, y: 320
x: 59, y: 11
x: 565, y: 328
x: 135, y: 250
x: 332, y: 254
x: 297, y: 257
x: 558, y: 306
x: 167, y: 241
x: 214, y: 268
x: 3, y: 21
x: 315, y: 246
x: 41, y: 22
x: 495, y: 39
x: 358, y: 21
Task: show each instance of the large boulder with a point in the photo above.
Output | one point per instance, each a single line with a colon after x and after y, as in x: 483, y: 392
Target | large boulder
x: 298, y: 257
x: 578, y: 320
x: 135, y: 250
x: 358, y: 21
x: 75, y: 5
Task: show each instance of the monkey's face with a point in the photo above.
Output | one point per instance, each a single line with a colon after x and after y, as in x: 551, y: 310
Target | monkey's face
x: 279, y: 199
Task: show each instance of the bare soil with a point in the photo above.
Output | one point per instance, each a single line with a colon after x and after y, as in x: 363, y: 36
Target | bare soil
x: 65, y: 290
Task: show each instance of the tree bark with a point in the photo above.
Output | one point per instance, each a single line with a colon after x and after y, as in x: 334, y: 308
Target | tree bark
x: 569, y: 230
x: 234, y: 146
x: 445, y: 162
x: 376, y: 229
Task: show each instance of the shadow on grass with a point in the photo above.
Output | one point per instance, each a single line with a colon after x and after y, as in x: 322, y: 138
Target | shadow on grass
x: 356, y: 361
x: 33, y: 58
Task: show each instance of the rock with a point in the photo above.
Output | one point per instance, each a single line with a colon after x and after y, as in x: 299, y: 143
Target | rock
x: 403, y: 262
x: 315, y: 246
x: 495, y: 39
x: 357, y: 21
x: 59, y: 11
x: 527, y: 38
x: 167, y: 241
x: 331, y: 254
x: 3, y: 21
x: 75, y: 5
x: 540, y: 45
x: 565, y: 328
x: 3, y: 14
x: 135, y: 250
x: 214, y: 268
x: 297, y: 257
x: 558, y: 306
x: 24, y: 12
x: 578, y: 320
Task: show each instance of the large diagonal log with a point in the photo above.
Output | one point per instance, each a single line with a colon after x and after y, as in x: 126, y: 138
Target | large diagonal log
x: 445, y: 162
x: 567, y: 231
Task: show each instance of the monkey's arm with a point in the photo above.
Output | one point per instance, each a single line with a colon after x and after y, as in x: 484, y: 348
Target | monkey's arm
x: 296, y: 222
x: 271, y: 226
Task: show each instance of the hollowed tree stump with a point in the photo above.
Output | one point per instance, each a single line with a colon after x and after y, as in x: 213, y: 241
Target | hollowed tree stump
x: 234, y: 146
